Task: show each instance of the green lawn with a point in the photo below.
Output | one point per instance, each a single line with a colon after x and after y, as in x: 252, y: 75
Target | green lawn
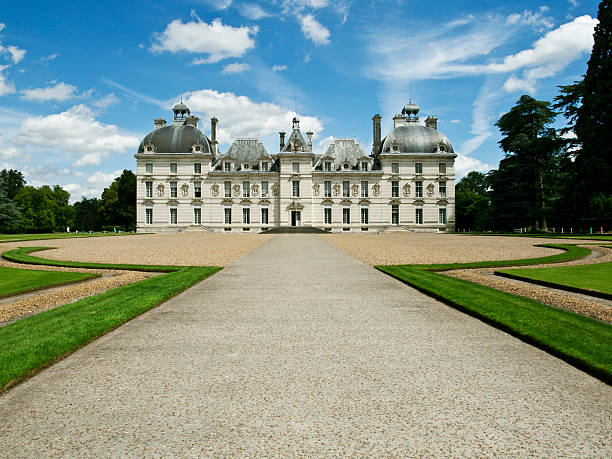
x: 594, y: 236
x: 37, y: 341
x: 14, y: 280
x: 579, y: 340
x: 44, y: 236
x: 596, y: 277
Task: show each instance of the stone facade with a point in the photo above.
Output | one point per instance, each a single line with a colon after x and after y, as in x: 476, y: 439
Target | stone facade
x: 405, y: 184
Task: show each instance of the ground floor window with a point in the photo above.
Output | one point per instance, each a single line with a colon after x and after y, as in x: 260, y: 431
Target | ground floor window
x: 346, y: 215
x: 173, y: 216
x: 197, y: 216
x: 264, y: 215
x: 395, y: 214
x: 442, y: 215
x: 327, y: 215
x: 149, y: 216
x: 419, y: 215
x: 364, y: 215
x: 246, y: 215
x: 227, y: 215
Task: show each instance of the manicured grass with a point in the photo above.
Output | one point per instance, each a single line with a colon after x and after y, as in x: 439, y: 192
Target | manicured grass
x: 579, y: 340
x: 43, y: 236
x: 596, y: 278
x: 594, y: 236
x: 14, y: 280
x: 40, y: 340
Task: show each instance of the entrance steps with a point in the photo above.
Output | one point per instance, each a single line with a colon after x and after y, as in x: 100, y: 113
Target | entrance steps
x: 295, y: 230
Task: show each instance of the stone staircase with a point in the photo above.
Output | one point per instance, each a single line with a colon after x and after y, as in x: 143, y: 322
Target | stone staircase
x: 295, y: 230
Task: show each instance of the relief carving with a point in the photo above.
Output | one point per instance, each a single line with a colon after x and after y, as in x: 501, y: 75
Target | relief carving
x: 336, y: 188
x: 430, y: 189
x: 315, y: 189
x: 275, y: 190
x: 185, y: 189
x: 255, y: 190
x: 214, y: 190
x: 355, y: 190
x: 376, y: 190
x: 406, y: 190
x: 236, y: 190
x: 160, y: 190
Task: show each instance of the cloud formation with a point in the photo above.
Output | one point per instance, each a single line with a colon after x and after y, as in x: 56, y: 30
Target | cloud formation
x: 253, y: 11
x: 58, y: 92
x: 314, y: 30
x: 236, y: 67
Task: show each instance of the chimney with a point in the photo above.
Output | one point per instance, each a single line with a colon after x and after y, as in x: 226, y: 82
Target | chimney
x: 431, y: 122
x: 213, y: 134
x: 309, y: 134
x: 376, y: 135
x: 159, y: 123
x: 192, y: 121
x: 282, y: 140
x: 399, y: 120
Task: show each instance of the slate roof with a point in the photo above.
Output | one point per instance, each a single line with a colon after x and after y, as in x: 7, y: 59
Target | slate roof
x: 176, y: 138
x: 344, y: 151
x: 415, y: 138
x: 246, y: 151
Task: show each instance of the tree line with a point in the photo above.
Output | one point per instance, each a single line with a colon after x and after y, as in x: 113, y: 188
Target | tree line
x: 548, y: 177
x: 27, y: 209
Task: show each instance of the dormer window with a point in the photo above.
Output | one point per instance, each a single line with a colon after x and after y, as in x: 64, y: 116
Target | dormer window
x: 345, y: 166
x: 227, y: 166
x: 264, y: 166
x: 327, y: 166
x: 364, y: 166
x: 197, y: 148
x: 246, y: 166
x: 149, y: 148
x: 395, y: 148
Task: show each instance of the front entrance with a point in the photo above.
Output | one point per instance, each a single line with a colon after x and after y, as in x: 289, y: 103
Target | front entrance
x: 296, y: 218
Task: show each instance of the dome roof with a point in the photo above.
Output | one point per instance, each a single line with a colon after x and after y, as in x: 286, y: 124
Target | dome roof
x: 176, y: 138
x: 416, y: 138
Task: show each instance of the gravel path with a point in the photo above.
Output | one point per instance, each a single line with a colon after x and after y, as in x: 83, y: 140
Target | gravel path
x: 297, y: 349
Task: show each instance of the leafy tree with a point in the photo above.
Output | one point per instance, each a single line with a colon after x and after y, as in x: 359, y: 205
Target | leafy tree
x: 62, y: 209
x: 12, y: 181
x: 532, y: 149
x: 37, y: 209
x: 472, y: 202
x: 87, y: 214
x: 119, y: 202
x: 9, y: 213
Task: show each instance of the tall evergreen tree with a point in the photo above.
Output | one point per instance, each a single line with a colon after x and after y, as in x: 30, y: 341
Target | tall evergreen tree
x: 472, y: 202
x: 119, y: 202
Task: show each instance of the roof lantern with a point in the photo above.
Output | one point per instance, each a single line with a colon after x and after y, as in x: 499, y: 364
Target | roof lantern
x: 181, y: 111
x: 296, y: 123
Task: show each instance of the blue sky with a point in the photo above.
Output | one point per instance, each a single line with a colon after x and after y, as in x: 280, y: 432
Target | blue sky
x: 81, y: 82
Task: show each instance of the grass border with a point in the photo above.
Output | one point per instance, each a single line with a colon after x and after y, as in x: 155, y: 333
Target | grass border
x: 87, y: 277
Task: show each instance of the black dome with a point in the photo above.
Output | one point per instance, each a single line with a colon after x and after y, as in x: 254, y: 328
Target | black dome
x: 176, y: 138
x: 416, y: 138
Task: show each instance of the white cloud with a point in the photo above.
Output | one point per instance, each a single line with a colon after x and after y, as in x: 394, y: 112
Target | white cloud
x: 217, y: 40
x: 58, y: 92
x: 9, y: 152
x: 482, y: 117
x: 101, y: 179
x: 314, y: 30
x: 75, y: 131
x: 135, y: 94
x: 279, y: 68
x: 465, y: 164
x: 307, y: 58
x: 50, y: 57
x: 106, y: 101
x: 535, y: 19
x: 16, y: 53
x: 454, y: 121
x: 236, y: 67
x: 239, y: 116
x: 253, y: 11
x: 6, y: 86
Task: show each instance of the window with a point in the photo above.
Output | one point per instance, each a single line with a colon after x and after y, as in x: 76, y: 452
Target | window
x: 246, y: 189
x: 173, y: 189
x: 227, y: 215
x: 173, y: 168
x: 149, y: 168
x: 295, y: 167
x: 364, y: 216
x: 395, y: 168
x: 328, y: 167
x: 346, y: 192
x: 149, y: 189
x: 197, y: 189
x: 419, y: 215
x: 197, y: 216
x: 246, y: 215
x: 346, y: 215
x: 395, y: 189
x: 442, y: 215
x: 327, y: 215
x: 173, y: 216
x: 197, y: 168
x: 149, y: 216
x: 264, y: 189
x: 418, y: 189
x: 327, y: 188
x: 246, y: 166
x: 228, y: 189
x: 264, y: 215
x: 364, y: 166
x: 227, y: 166
x: 418, y: 168
x: 264, y: 166
x: 364, y: 188
x: 296, y: 188
x: 395, y: 214
x: 442, y: 189
x: 442, y: 168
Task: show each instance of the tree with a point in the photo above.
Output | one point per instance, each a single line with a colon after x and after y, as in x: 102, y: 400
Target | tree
x: 87, y: 214
x: 9, y: 213
x: 37, y: 209
x: 119, y: 202
x: 472, y: 202
x: 12, y: 181
x: 532, y: 149
x: 588, y: 106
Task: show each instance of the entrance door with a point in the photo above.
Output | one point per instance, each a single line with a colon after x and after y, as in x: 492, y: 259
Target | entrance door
x: 296, y: 218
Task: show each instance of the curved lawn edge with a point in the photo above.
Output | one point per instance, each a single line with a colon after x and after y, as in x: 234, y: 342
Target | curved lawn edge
x: 36, y: 342
x: 567, y: 288
x: 83, y: 278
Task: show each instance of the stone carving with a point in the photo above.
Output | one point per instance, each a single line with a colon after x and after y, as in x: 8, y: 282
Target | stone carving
x: 406, y: 190
x: 430, y: 189
x: 236, y: 190
x: 355, y: 190
x: 185, y: 190
x: 160, y: 190
x: 214, y: 190
x: 336, y: 188
x: 315, y: 189
x: 255, y: 190
x: 376, y: 190
x: 274, y: 190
